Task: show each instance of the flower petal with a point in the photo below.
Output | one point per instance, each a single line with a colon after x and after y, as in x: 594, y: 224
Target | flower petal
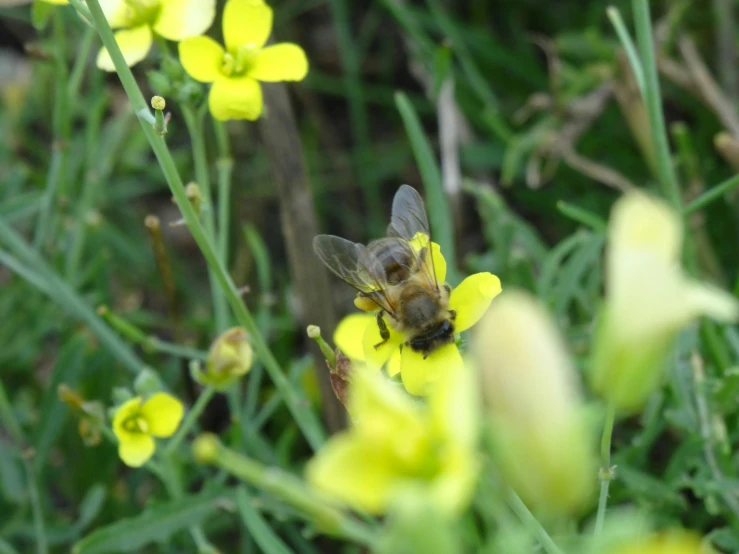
x: 472, y: 297
x: 134, y: 44
x: 376, y: 357
x: 393, y: 364
x: 163, y: 413
x: 349, y: 334
x: 235, y: 98
x: 354, y: 471
x: 246, y: 22
x: 281, y: 62
x: 436, y: 264
x: 419, y: 374
x: 136, y: 450
x: 181, y: 19
x: 115, y: 11
x: 202, y: 58
x: 128, y: 409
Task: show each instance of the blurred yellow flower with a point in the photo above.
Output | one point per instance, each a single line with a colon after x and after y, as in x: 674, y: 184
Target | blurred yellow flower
x: 137, y: 421
x: 542, y: 443
x: 236, y: 71
x: 357, y: 334
x: 397, y: 445
x: 139, y: 20
x: 668, y: 542
x: 648, y: 300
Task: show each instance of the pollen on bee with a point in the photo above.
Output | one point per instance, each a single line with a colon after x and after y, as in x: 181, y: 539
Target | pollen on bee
x: 365, y: 304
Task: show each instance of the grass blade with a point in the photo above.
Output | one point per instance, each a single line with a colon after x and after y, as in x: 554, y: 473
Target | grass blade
x: 258, y: 527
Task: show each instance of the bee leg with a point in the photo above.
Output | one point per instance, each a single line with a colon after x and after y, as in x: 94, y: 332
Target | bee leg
x: 384, y: 332
x: 452, y: 314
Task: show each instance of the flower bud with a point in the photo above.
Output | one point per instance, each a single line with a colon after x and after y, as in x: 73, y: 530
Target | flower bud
x: 147, y: 383
x: 158, y: 103
x: 542, y: 443
x: 229, y: 357
x: 648, y: 301
x: 205, y: 448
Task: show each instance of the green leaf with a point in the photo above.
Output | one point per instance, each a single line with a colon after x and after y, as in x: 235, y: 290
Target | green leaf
x: 7, y: 548
x: 259, y: 529
x: 153, y: 525
x: 91, y: 505
x: 40, y: 14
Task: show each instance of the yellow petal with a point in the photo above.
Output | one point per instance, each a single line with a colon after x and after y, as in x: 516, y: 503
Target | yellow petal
x: 181, y: 19
x: 128, y: 409
x: 436, y: 264
x: 115, y: 11
x: 376, y: 357
x: 472, y: 297
x: 354, y: 471
x: 136, y: 450
x: 163, y: 413
x: 454, y: 405
x: 235, y: 98
x: 202, y: 58
x: 381, y: 410
x: 281, y: 62
x: 134, y: 44
x: 349, y: 334
x: 420, y: 374
x: 57, y: 2
x: 246, y: 22
x: 393, y: 364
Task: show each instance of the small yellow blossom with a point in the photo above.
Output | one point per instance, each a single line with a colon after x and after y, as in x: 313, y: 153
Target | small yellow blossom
x: 357, y: 334
x: 542, y: 443
x: 397, y: 445
x: 648, y: 300
x: 236, y: 71
x: 137, y: 421
x: 140, y: 20
x: 668, y: 542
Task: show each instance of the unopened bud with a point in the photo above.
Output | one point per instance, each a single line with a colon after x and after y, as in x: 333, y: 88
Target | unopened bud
x: 205, y: 448
x: 194, y: 196
x: 158, y: 103
x: 314, y: 332
x: 535, y: 406
x: 147, y: 383
x: 70, y: 397
x: 230, y: 357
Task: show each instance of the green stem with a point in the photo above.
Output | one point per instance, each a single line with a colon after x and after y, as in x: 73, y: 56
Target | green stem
x: 7, y: 417
x: 623, y: 34
x: 581, y: 215
x: 286, y: 487
x: 195, y: 128
x: 712, y: 194
x: 190, y: 419
x: 653, y: 102
x: 38, y: 514
x: 528, y: 519
x: 61, y: 126
x: 80, y: 63
x: 304, y: 417
x: 606, y: 473
x: 224, y: 167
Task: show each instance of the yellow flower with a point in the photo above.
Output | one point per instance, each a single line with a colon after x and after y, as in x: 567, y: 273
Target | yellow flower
x: 648, y: 300
x: 235, y: 71
x: 397, y: 445
x: 357, y: 334
x: 543, y: 445
x: 668, y: 542
x: 138, y: 420
x: 141, y: 19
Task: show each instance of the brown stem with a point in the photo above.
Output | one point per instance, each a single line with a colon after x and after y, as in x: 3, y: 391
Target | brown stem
x: 282, y: 144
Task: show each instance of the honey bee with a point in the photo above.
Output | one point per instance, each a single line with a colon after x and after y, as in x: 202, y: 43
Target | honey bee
x: 397, y: 274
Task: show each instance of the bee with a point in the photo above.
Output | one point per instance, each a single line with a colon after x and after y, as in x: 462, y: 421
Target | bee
x: 397, y: 274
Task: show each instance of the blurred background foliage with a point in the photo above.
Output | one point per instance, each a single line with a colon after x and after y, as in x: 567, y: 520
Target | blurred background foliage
x: 536, y: 125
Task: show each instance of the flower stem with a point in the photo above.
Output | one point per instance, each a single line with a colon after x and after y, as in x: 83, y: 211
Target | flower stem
x: 606, y: 473
x: 194, y: 122
x: 304, y: 417
x: 528, y: 519
x: 284, y: 486
x: 190, y: 418
x: 653, y: 102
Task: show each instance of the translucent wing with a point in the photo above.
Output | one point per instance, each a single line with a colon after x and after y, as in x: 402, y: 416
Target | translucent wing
x: 354, y: 264
x: 409, y: 214
x: 409, y: 221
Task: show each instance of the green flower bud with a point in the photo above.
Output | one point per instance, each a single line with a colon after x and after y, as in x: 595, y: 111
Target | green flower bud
x: 229, y: 358
x: 159, y: 82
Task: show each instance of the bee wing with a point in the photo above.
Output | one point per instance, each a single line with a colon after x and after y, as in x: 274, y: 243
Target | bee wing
x: 354, y: 264
x: 407, y: 221
x: 408, y: 215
